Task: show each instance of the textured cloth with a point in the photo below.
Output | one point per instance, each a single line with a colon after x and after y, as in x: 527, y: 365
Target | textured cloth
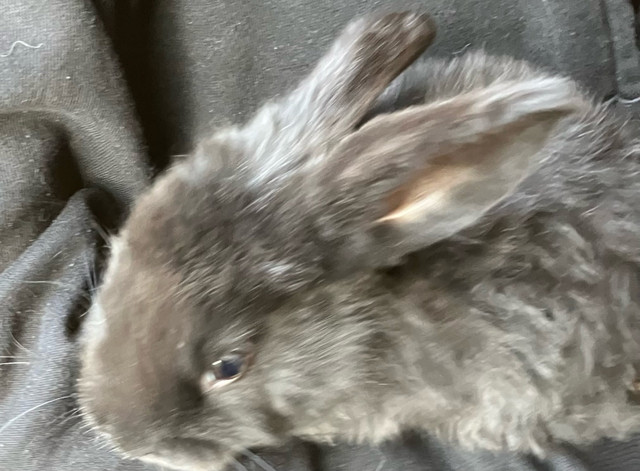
x: 96, y: 96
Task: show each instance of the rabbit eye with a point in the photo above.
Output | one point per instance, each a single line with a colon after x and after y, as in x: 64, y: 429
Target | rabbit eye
x: 226, y: 370
x: 229, y: 368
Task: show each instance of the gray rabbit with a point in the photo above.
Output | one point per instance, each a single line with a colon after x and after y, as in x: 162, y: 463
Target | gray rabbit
x: 466, y: 266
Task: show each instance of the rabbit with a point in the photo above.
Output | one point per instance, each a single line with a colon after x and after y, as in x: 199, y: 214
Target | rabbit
x: 465, y: 267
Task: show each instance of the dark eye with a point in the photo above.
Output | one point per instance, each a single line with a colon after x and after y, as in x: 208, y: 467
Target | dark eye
x: 226, y: 370
x: 229, y: 367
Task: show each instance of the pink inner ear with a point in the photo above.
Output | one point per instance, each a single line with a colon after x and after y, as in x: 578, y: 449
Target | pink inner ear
x: 426, y: 191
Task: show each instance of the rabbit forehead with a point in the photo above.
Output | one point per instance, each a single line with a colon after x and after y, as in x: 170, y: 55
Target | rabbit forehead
x: 223, y: 233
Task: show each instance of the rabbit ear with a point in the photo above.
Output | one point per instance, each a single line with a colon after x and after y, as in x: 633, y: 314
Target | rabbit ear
x: 332, y: 100
x: 363, y: 60
x: 369, y: 53
x: 411, y: 178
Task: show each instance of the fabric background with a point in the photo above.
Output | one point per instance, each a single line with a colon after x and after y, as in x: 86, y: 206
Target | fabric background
x: 96, y: 97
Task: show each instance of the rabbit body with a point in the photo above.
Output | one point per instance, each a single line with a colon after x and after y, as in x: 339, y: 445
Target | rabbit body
x: 467, y: 266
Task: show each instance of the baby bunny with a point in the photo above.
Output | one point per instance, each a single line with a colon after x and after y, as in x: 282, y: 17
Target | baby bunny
x: 467, y: 267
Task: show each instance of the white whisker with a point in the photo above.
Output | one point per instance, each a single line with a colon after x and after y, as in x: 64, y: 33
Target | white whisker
x: 257, y: 460
x: 19, y: 345
x: 28, y: 411
x: 104, y: 235
x: 48, y: 282
x: 66, y: 416
x: 239, y: 466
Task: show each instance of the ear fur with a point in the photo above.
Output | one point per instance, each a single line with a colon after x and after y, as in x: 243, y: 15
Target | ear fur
x: 330, y: 102
x: 368, y: 54
x: 412, y: 178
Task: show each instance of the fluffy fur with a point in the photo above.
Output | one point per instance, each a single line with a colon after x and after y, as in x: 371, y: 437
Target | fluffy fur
x: 510, y: 326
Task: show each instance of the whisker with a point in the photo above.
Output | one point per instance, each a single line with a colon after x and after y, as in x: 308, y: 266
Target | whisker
x: 85, y: 426
x: 15, y: 363
x: 102, y: 232
x: 66, y: 417
x: 92, y: 277
x: 239, y: 466
x: 257, y: 460
x: 48, y: 282
x: 28, y: 411
x: 18, y: 344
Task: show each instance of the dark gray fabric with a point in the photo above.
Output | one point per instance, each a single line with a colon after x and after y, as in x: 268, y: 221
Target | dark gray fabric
x: 94, y: 94
x: 212, y: 62
x: 620, y: 18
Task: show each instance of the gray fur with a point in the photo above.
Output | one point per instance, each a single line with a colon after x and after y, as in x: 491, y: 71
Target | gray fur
x: 516, y: 329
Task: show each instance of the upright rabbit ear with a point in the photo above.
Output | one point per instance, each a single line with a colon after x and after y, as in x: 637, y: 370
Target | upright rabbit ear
x: 330, y: 101
x: 368, y: 54
x: 363, y: 60
x: 414, y: 177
